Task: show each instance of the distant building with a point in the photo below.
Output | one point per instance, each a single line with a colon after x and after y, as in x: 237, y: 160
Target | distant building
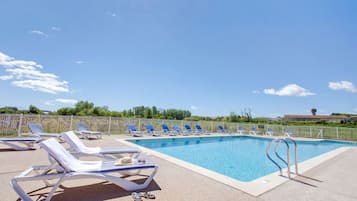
x: 352, y: 118
x: 332, y: 118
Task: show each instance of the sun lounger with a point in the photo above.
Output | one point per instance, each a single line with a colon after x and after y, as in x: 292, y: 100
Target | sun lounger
x: 241, y: 130
x: 151, y: 130
x: 20, y: 143
x: 221, y: 129
x: 269, y: 132
x: 72, y: 168
x: 178, y: 130
x: 37, y: 131
x: 289, y: 133
x: 188, y: 129
x: 133, y: 131
x: 200, y: 130
x: 253, y: 131
x: 77, y: 148
x: 167, y: 130
x: 86, y: 133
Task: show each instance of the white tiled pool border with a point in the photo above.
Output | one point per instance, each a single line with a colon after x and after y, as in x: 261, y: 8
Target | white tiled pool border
x: 255, y: 187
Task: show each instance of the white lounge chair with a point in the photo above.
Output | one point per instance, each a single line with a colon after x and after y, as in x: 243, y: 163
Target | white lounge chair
x: 37, y: 130
x: 80, y: 149
x: 289, y: 133
x: 241, y: 130
x: 86, y: 133
x: 72, y: 168
x: 269, y: 132
x: 20, y: 143
x: 253, y: 131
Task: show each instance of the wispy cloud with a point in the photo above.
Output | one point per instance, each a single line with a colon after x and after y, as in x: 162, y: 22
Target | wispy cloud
x: 66, y: 101
x: 49, y: 103
x: 6, y: 77
x: 79, y: 62
x: 28, y: 74
x: 193, y: 107
x: 343, y: 85
x: 55, y: 28
x: 355, y: 109
x: 112, y: 14
x: 38, y: 32
x: 289, y: 90
x: 256, y: 92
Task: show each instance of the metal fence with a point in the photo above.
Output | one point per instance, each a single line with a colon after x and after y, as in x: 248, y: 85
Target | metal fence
x: 16, y: 125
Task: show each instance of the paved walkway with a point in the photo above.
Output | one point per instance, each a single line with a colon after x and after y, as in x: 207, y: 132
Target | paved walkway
x: 332, y: 180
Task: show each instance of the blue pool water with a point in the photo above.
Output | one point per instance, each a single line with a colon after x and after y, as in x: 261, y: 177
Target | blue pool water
x: 239, y: 157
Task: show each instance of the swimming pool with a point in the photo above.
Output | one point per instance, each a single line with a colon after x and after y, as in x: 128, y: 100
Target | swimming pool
x: 240, y: 157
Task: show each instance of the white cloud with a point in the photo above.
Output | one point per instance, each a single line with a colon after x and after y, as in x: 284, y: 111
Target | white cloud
x: 38, y: 32
x: 28, y: 74
x: 66, y: 101
x: 6, y: 77
x: 55, y: 28
x: 343, y: 85
x: 49, y: 103
x: 355, y: 109
x: 289, y: 90
x: 112, y: 14
x: 193, y: 107
x: 79, y: 62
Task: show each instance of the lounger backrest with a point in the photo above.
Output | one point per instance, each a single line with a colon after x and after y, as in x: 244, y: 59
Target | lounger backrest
x: 198, y: 127
x: 35, y: 128
x: 241, y: 128
x: 165, y: 128
x: 220, y: 127
x: 131, y: 127
x: 81, y: 126
x: 188, y: 127
x: 71, y: 138
x: 60, y: 154
x: 176, y: 128
x: 149, y: 127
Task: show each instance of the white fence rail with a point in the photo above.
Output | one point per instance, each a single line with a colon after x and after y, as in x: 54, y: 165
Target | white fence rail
x: 16, y: 124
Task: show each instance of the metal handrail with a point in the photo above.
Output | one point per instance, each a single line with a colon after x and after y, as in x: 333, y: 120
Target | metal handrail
x: 267, y: 151
x: 287, y: 161
x: 296, y: 154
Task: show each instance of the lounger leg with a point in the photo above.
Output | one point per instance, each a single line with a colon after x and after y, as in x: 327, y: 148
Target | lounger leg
x: 50, y: 194
x: 129, y: 185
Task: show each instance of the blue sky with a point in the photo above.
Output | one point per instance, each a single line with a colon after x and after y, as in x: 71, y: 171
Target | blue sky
x: 211, y: 57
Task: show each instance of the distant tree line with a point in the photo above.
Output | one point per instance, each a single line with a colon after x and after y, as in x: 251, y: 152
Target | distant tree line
x: 85, y: 108
x: 14, y: 110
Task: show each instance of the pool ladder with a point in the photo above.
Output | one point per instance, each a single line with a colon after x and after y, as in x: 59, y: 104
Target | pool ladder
x: 277, y: 143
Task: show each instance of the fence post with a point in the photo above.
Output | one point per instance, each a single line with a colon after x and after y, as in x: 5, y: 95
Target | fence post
x: 310, y: 132
x: 58, y: 124
x: 139, y: 126
x: 337, y: 134
x: 20, y: 125
x: 110, y: 122
x: 71, y: 123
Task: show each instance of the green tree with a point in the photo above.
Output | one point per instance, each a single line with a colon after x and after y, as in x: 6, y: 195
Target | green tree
x: 83, y: 108
x: 34, y: 110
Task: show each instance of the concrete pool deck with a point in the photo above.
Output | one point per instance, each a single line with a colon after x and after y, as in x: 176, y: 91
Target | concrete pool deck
x: 334, y: 179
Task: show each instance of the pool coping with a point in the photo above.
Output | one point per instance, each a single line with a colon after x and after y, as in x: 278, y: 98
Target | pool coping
x: 255, y: 187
